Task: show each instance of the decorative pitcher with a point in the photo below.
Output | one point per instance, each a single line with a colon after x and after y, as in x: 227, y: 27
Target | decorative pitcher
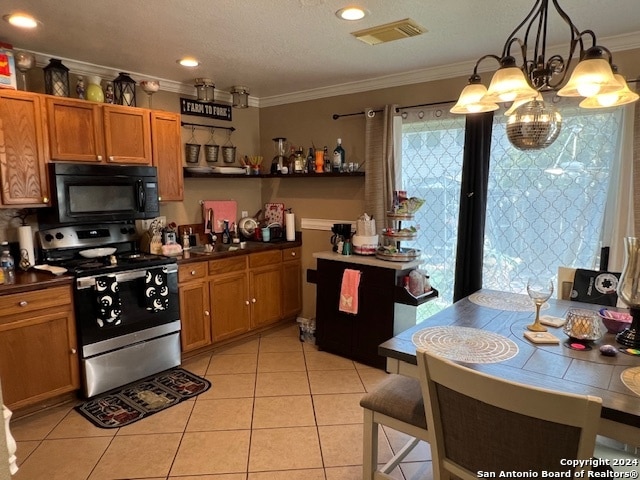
x: 629, y: 291
x: 94, y: 89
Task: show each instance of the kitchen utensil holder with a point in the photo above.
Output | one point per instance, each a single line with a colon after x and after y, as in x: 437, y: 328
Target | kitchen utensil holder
x: 229, y: 154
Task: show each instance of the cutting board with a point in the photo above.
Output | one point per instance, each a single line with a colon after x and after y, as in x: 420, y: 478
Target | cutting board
x: 222, y: 210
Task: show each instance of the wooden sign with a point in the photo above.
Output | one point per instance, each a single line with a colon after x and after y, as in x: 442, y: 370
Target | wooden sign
x: 216, y: 111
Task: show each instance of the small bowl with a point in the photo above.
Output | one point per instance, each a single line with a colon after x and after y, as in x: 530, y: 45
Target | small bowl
x: 615, y: 322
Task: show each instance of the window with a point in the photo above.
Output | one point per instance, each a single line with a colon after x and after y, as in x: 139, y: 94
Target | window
x: 545, y: 208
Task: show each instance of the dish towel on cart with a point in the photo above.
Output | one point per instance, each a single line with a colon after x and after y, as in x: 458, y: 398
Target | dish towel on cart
x: 108, y: 299
x: 349, y: 291
x: 156, y: 290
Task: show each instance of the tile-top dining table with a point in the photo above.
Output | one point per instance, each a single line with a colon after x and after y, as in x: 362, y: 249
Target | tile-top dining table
x: 485, y: 332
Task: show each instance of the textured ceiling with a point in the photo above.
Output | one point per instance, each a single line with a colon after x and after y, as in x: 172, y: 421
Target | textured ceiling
x: 280, y: 47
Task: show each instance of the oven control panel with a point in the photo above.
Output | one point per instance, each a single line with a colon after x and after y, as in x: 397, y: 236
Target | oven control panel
x: 80, y: 236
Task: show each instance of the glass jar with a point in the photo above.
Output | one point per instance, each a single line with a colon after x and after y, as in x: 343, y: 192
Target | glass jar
x: 205, y: 89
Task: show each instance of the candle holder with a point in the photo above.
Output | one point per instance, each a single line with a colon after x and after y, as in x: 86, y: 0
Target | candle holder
x: 629, y: 292
x: 56, y: 78
x: 124, y: 90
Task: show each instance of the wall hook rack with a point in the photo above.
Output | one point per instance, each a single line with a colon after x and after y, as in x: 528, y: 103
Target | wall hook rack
x: 206, y: 127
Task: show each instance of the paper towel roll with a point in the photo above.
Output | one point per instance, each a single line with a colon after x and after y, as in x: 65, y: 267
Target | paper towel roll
x: 25, y: 239
x: 290, y: 224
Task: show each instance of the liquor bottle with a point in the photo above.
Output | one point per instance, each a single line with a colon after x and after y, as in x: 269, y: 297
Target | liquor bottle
x: 226, y: 235
x: 311, y: 161
x: 292, y: 160
x: 298, y: 165
x: 338, y: 157
x: 327, y: 160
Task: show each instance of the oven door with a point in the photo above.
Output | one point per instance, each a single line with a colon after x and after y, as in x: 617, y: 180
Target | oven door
x: 136, y: 322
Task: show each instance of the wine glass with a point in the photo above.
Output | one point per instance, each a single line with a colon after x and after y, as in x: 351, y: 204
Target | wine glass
x: 539, y: 290
x: 150, y: 87
x: 25, y: 61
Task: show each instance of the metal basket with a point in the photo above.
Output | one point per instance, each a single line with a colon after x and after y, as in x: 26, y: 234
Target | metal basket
x: 192, y: 151
x: 229, y: 154
x: 211, y: 153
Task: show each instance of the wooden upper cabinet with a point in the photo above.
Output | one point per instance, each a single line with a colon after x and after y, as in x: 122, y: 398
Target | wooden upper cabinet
x: 23, y: 150
x: 127, y: 134
x: 75, y: 130
x: 167, y: 154
x: 81, y: 131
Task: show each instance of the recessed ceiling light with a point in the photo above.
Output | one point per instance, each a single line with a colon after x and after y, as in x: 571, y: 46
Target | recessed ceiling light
x: 351, y: 13
x: 22, y: 20
x: 188, y: 62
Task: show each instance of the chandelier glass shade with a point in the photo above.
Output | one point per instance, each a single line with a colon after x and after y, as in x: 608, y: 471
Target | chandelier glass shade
x: 622, y: 96
x: 536, y: 125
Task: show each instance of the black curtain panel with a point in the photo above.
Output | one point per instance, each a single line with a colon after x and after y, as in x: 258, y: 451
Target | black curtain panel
x: 473, y: 204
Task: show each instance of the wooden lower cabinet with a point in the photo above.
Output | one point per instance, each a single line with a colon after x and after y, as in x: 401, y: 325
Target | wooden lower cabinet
x: 229, y: 305
x: 222, y: 299
x: 291, y: 281
x: 38, y: 349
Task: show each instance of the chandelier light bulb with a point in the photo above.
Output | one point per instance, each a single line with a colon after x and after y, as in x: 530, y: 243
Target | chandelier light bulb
x: 588, y: 89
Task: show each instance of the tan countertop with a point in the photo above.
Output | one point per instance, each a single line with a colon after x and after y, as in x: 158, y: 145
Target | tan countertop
x: 34, y: 280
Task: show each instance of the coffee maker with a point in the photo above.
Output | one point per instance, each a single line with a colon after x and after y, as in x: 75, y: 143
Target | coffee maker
x: 341, y: 233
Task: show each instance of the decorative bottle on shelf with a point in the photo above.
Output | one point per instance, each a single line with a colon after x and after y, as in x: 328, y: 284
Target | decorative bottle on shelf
x: 310, y: 166
x: 108, y: 93
x: 327, y: 160
x: 338, y: 157
x: 8, y: 265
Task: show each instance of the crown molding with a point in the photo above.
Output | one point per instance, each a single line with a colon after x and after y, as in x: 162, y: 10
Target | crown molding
x: 463, y: 69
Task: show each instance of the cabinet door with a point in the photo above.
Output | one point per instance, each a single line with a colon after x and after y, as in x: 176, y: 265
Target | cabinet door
x: 291, y: 285
x: 167, y: 154
x: 127, y: 134
x: 195, y: 315
x: 266, y: 304
x: 22, y: 150
x: 38, y: 358
x: 229, y: 305
x: 75, y: 130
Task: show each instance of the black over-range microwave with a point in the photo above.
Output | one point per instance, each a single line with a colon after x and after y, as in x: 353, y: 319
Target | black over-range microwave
x: 83, y: 193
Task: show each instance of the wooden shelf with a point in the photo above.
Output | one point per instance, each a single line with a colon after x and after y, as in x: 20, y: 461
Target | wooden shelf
x: 268, y: 175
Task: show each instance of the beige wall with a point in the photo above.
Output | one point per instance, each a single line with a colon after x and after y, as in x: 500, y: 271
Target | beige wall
x: 303, y: 123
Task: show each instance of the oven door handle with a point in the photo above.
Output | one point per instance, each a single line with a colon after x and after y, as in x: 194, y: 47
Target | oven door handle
x: 122, y: 277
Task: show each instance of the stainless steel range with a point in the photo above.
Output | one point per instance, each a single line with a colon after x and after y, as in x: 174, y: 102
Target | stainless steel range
x: 126, y: 302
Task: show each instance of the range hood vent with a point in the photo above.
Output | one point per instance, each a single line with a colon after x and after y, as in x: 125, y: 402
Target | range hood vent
x: 389, y: 32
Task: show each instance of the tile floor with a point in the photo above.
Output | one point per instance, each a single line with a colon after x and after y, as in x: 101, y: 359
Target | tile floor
x: 277, y: 410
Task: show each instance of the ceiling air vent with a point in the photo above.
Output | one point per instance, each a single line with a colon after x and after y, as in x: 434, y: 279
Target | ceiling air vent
x: 390, y: 31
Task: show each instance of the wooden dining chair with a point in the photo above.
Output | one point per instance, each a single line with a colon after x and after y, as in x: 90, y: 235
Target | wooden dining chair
x: 480, y: 423
x: 396, y: 402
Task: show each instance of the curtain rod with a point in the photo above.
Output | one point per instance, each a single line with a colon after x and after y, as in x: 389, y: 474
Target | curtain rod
x: 372, y: 113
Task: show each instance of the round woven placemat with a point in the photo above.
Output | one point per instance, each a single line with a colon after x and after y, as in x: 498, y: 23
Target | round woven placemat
x: 465, y: 344
x: 505, y: 301
x: 631, y: 378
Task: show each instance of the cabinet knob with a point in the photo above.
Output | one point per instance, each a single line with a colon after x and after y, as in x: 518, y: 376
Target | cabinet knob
x: 73, y: 351
x: 159, y: 198
x: 193, y: 272
x: 111, y: 159
x: 45, y: 199
x: 246, y: 302
x: 293, y: 254
x: 206, y: 313
x: 99, y: 158
x: 253, y: 300
x: 23, y: 303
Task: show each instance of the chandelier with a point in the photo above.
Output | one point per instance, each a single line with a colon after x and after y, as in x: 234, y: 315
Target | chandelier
x: 534, y: 124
